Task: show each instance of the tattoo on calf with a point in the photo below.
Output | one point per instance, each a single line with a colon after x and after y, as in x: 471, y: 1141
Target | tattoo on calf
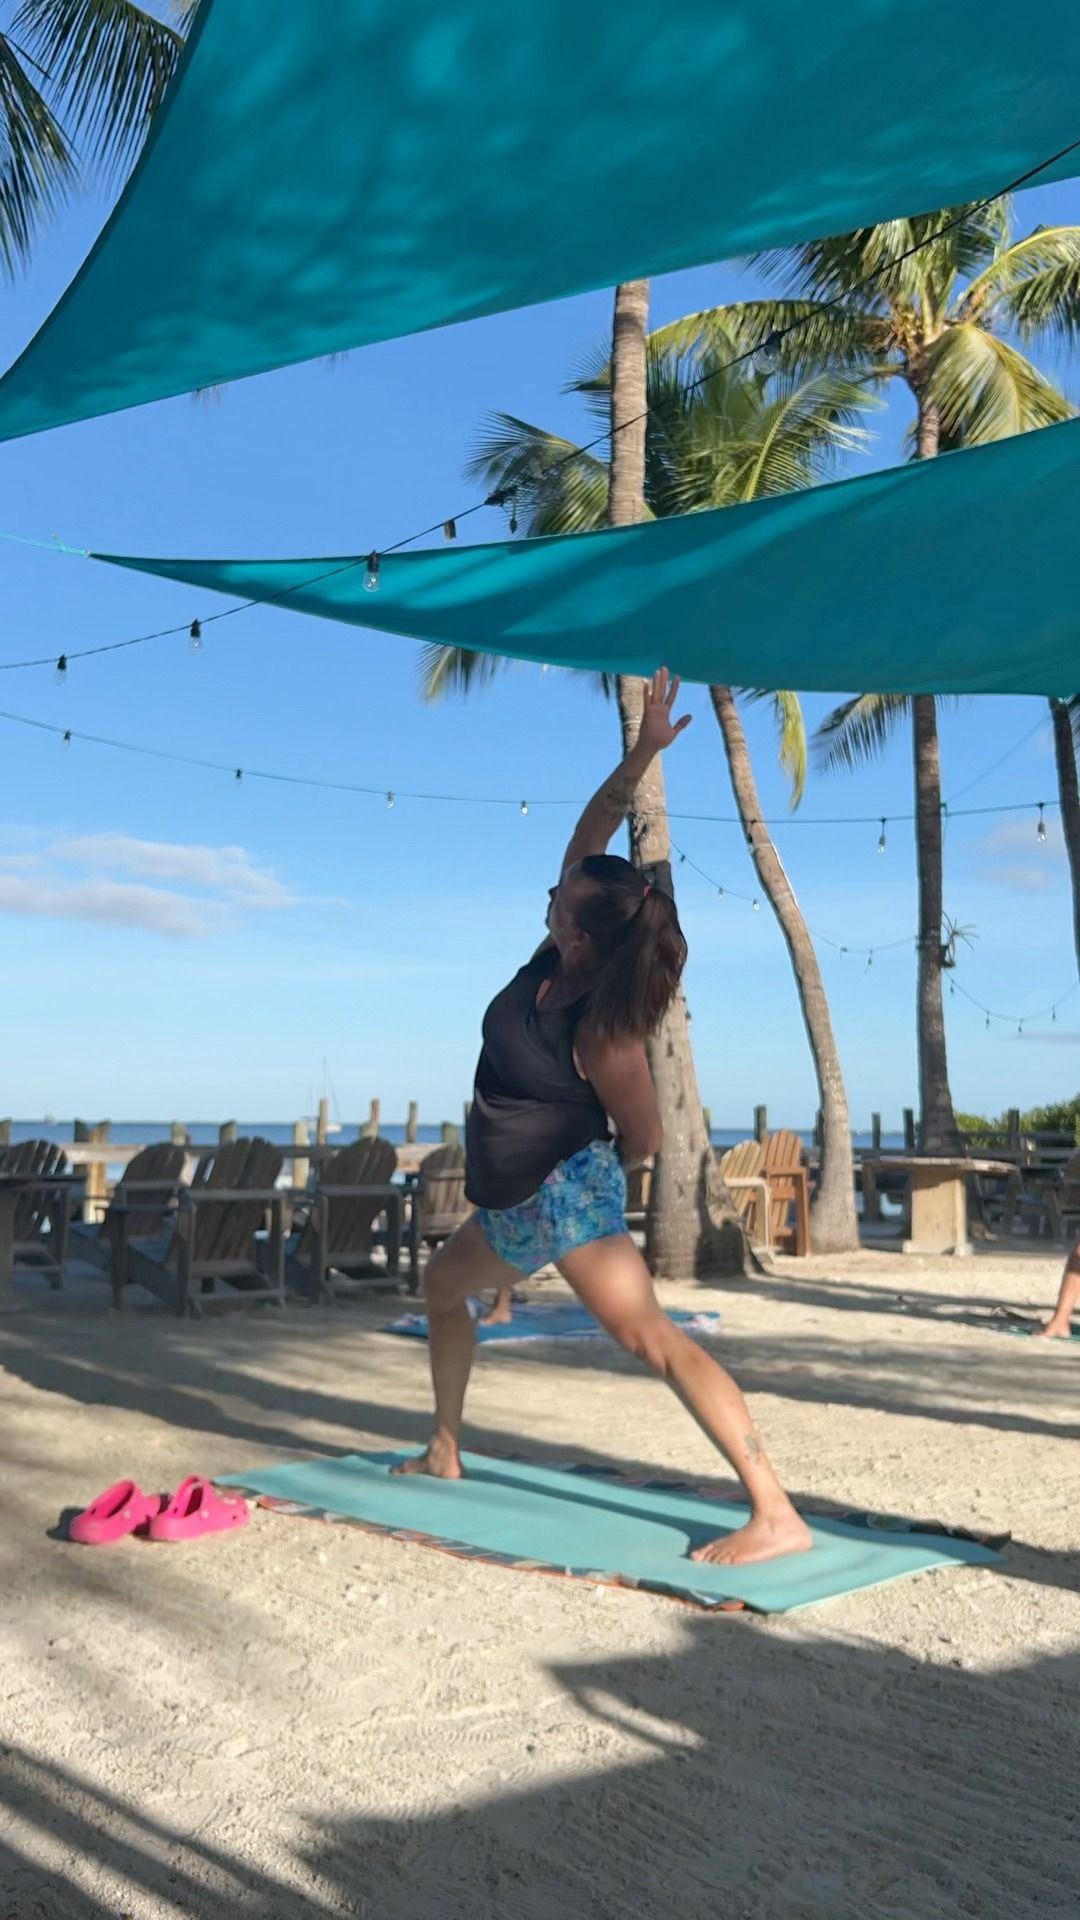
x: 752, y: 1445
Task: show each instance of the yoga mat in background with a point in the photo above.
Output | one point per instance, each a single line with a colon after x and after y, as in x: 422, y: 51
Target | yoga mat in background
x: 595, y: 1525
x: 537, y: 1322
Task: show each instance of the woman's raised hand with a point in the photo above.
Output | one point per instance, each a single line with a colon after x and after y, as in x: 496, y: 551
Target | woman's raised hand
x: 658, y: 728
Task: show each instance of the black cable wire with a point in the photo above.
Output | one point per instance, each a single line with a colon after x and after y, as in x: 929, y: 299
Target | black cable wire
x: 501, y: 495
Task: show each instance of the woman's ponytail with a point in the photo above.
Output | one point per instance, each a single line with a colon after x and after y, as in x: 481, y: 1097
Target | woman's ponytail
x: 635, y: 930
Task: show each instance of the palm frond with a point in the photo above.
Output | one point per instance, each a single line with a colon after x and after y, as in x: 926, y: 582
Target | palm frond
x: 986, y: 389
x: 815, y: 335
x: 1033, y: 286
x: 859, y: 729
x: 830, y: 269
x: 109, y: 63
x: 35, y: 159
x: 791, y: 742
x: 552, y: 484
x: 445, y: 669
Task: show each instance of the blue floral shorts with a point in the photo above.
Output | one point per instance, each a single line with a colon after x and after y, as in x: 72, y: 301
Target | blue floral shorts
x: 584, y: 1199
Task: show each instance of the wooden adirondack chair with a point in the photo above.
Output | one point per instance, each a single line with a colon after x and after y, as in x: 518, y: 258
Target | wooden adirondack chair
x: 43, y: 1213
x: 438, y: 1204
x: 142, y: 1207
x: 355, y: 1187
x: 211, y: 1256
x: 789, y: 1193
x: 742, y: 1172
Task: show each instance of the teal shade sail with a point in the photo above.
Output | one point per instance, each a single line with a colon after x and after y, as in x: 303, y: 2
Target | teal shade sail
x: 329, y: 174
x: 954, y: 576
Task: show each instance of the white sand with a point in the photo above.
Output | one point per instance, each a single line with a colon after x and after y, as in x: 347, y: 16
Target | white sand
x: 302, y: 1721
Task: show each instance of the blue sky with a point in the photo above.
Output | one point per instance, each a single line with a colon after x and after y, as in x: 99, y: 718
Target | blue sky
x: 176, y: 945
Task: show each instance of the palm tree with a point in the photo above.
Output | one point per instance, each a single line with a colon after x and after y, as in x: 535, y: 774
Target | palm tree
x: 715, y: 436
x: 79, y: 80
x: 945, y: 321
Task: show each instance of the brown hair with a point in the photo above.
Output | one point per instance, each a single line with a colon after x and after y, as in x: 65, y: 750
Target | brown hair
x: 635, y: 931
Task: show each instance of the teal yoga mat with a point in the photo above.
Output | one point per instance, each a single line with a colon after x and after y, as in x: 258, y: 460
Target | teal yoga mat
x: 581, y: 1522
x: 531, y: 1321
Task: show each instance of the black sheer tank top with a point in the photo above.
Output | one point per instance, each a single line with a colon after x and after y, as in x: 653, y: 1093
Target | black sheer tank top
x: 531, y: 1108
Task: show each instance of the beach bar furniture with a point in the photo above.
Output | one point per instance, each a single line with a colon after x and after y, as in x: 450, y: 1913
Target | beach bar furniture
x: 37, y: 1189
x: 788, y: 1179
x: 438, y: 1204
x: 142, y: 1208
x: 742, y: 1172
x: 332, y: 1251
x: 938, y: 1186
x: 210, y: 1256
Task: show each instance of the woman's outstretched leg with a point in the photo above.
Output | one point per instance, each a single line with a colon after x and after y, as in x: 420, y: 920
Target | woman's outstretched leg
x: 464, y: 1264
x: 611, y: 1279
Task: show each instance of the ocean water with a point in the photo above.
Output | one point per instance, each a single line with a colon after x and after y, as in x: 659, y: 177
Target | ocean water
x: 204, y: 1133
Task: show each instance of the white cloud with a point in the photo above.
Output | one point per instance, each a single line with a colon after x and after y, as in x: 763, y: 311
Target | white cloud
x: 109, y: 903
x: 226, y: 871
x: 183, y: 892
x: 1013, y: 855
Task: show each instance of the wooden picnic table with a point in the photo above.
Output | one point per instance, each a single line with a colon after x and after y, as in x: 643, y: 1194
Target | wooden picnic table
x: 13, y: 1188
x: 938, y: 1186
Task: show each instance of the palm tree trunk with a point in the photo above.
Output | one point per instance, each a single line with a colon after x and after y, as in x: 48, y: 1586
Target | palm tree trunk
x: 1065, y: 754
x: 681, y: 1238
x: 938, y: 1131
x: 835, y: 1225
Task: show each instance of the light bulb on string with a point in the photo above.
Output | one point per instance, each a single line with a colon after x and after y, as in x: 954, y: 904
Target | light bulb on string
x: 1053, y: 1016
x: 869, y: 960
x: 371, y: 577
x: 238, y: 777
x: 756, y: 904
x: 1040, y: 830
x: 719, y: 892
x: 1020, y: 1028
x: 66, y: 741
x: 390, y: 800
x: 882, y: 838
x: 524, y: 807
x: 195, y: 636
x: 61, y: 670
x: 767, y: 356
x: 988, y: 1023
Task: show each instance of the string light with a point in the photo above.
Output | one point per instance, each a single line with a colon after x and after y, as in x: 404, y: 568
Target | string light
x: 756, y: 904
x: 61, y: 670
x: 524, y: 807
x: 371, y: 577
x: 67, y: 737
x: 195, y: 636
x: 1040, y: 830
x: 449, y: 529
x: 390, y: 800
x: 882, y: 838
x: 238, y: 776
x: 767, y: 356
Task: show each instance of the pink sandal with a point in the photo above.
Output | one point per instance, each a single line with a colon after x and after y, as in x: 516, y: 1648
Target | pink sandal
x: 118, y: 1511
x: 194, y: 1510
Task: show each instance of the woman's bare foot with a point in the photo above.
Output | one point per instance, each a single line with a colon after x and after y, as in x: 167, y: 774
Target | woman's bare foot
x: 766, y: 1537
x: 1055, y: 1330
x: 440, y: 1459
x: 501, y: 1311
